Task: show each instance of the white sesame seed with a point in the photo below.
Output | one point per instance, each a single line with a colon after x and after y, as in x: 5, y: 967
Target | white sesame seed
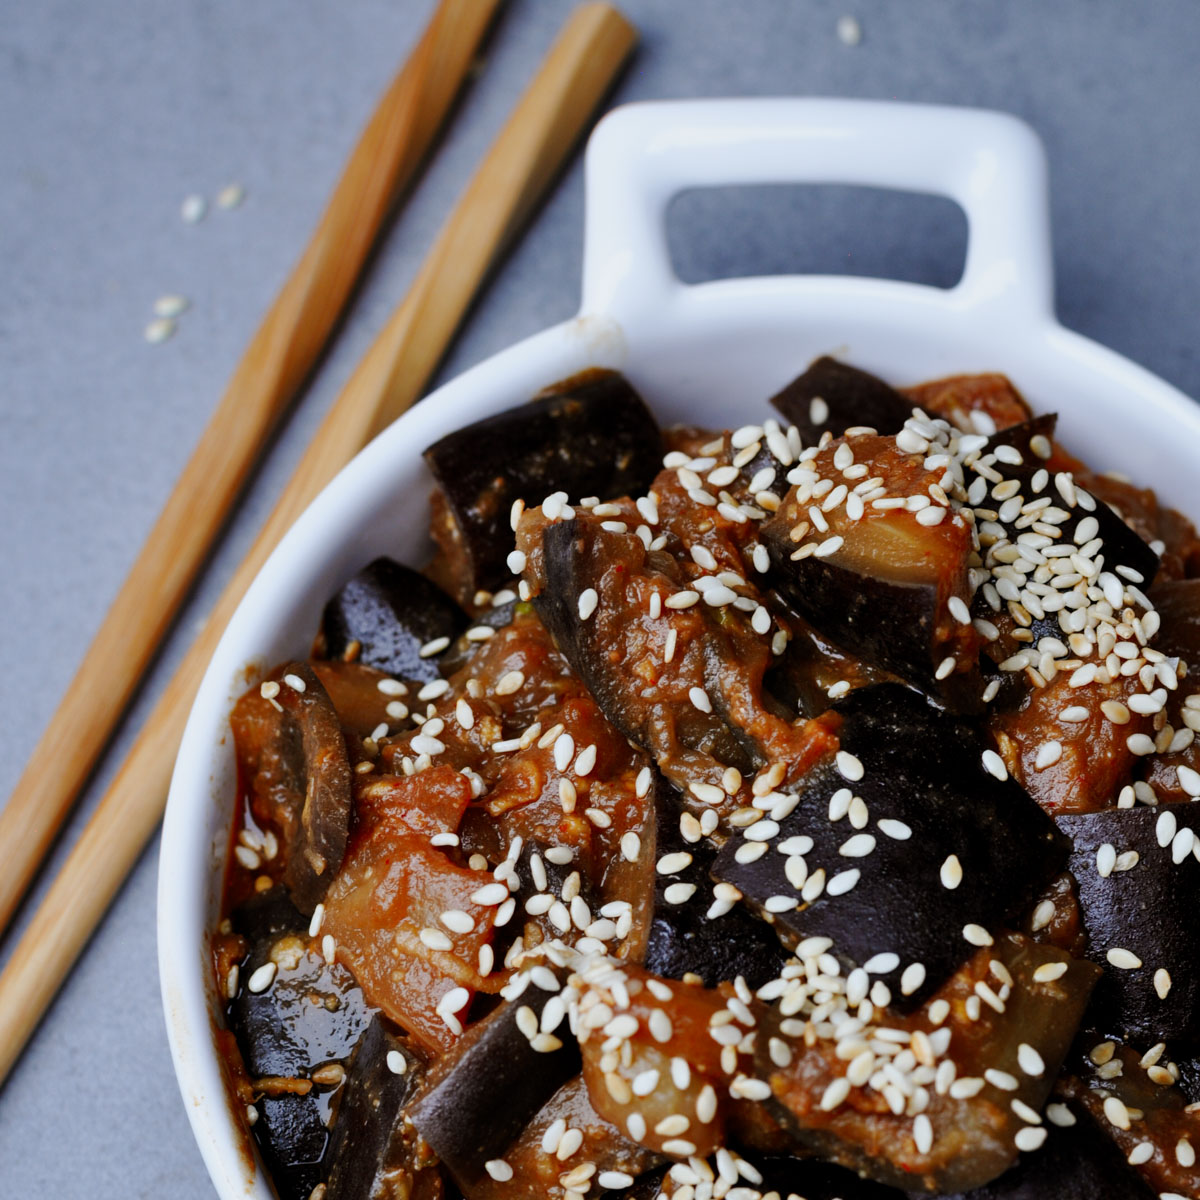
x: 1029, y: 1138
x: 882, y: 964
x: 977, y: 935
x: 672, y: 864
x: 994, y: 764
x: 433, y: 690
x: 951, y: 872
x: 859, y: 846
x: 912, y: 979
x: 262, y: 978
x: 499, y: 1170
x: 1030, y: 1061
x: 684, y: 599
x: 509, y: 682
x: 588, y: 601
x: 699, y: 698
x: 1049, y: 972
x: 842, y: 882
x: 848, y: 766
x: 490, y: 894
x: 834, y: 1094
x: 586, y: 761
x: 1116, y: 1113
x: 1122, y: 959
x: 1162, y: 982
x: 923, y: 1134
x: 1140, y: 744
x: 435, y: 939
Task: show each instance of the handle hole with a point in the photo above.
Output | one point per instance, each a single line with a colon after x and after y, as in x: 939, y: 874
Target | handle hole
x: 816, y: 229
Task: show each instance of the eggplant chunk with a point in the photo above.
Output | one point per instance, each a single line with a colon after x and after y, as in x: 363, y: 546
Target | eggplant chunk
x: 373, y: 1153
x: 578, y: 554
x: 683, y: 939
x: 944, y: 844
x: 283, y: 1035
x: 385, y: 614
x: 1178, y: 605
x: 833, y: 396
x: 879, y: 581
x: 973, y: 1131
x: 1141, y: 922
x: 1076, y: 1162
x: 483, y: 1092
x: 537, y: 1171
x: 970, y: 402
x: 816, y: 1180
x: 292, y: 752
x: 591, y: 435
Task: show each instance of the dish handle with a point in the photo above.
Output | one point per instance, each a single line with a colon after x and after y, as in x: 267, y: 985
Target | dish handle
x: 642, y: 155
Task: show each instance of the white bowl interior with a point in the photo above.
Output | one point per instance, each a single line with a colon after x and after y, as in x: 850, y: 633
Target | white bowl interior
x: 712, y: 355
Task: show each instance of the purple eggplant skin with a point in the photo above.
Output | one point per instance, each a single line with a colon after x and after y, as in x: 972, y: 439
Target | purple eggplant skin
x: 280, y: 1031
x: 369, y: 1139
x: 1149, y: 910
x: 682, y: 938
x: 484, y: 1091
x: 591, y: 435
x: 817, y: 1180
x: 852, y: 398
x: 391, y: 611
x: 1078, y: 1162
x: 922, y: 768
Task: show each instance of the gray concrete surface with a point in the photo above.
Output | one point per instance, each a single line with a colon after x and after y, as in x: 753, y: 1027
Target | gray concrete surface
x: 113, y: 113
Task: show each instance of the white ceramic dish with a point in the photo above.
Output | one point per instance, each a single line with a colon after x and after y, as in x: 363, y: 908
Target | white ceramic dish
x: 710, y: 354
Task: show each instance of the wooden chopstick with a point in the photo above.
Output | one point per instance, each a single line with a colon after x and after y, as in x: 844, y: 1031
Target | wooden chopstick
x: 525, y: 157
x: 275, y: 364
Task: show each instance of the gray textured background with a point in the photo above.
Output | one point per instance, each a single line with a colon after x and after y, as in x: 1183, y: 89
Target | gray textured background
x: 112, y: 113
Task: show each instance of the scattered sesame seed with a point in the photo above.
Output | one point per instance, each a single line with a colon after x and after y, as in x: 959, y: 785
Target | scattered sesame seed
x: 951, y: 872
x: 699, y: 698
x: 1030, y: 1138
x: 1030, y: 1061
x: 262, y: 978
x: 977, y: 935
x: 912, y: 979
x: 994, y: 764
x: 1122, y: 959
x: 231, y: 195
x: 1162, y: 982
x: 848, y: 766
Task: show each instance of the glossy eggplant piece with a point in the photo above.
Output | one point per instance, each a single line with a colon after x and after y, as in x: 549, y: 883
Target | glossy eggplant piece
x: 372, y: 1152
x: 591, y: 435
x: 1145, y: 915
x: 923, y: 770
x: 964, y: 399
x: 389, y: 611
x: 881, y: 584
x: 816, y: 1180
x: 1122, y: 545
x: 292, y: 753
x: 683, y: 939
x: 1178, y: 605
x: 537, y: 1172
x: 484, y: 1091
x: 282, y: 1034
x: 972, y: 1135
x: 850, y: 397
x: 1078, y: 1162
x: 577, y: 555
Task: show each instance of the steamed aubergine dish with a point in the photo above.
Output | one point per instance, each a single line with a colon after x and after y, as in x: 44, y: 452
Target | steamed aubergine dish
x: 800, y: 810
